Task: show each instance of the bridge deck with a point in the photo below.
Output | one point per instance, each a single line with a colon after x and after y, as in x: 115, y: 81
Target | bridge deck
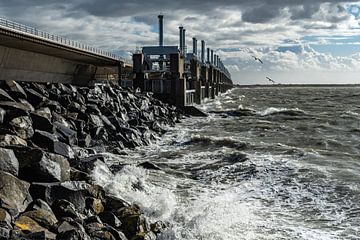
x: 19, y: 36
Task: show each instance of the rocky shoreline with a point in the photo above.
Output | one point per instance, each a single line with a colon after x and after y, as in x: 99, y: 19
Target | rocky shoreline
x: 51, y: 138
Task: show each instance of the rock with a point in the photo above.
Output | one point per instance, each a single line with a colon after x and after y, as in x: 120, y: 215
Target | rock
x: 8, y: 161
x: 15, y: 89
x: 8, y: 139
x: 5, y: 233
x: 96, y: 121
x: 4, y: 96
x: 84, y: 140
x: 63, y: 208
x: 74, y: 192
x: 42, y: 123
x: 5, y: 219
x: 88, y: 164
x: 66, y: 134
x: 149, y: 165
x: 72, y: 235
x: 110, y: 218
x: 34, y: 97
x: 95, y: 205
x: 38, y: 166
x: 2, y: 115
x: 44, y: 218
x: 145, y: 236
x: 92, y: 219
x: 28, y: 226
x: 113, y: 203
x: 51, y: 143
x: 133, y: 222
x: 117, y: 234
x: 14, y: 193
x: 15, y: 109
x: 22, y: 127
x: 39, y: 204
x: 158, y: 227
x: 77, y: 175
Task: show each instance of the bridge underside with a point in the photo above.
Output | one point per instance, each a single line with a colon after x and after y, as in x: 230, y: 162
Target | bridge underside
x: 24, y: 58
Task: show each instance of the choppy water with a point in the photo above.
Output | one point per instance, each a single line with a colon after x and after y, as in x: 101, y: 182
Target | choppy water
x: 269, y: 163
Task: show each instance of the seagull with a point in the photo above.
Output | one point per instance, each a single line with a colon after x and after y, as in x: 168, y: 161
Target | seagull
x: 270, y: 80
x: 258, y: 59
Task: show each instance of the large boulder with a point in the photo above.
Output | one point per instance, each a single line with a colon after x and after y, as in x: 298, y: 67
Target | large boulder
x: 14, y: 109
x: 14, y: 193
x: 51, y: 143
x: 44, y: 218
x: 42, y: 123
x: 29, y: 226
x: 72, y: 191
x: 8, y: 161
x: 39, y: 166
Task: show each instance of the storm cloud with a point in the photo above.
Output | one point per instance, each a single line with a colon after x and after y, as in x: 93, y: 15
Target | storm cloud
x: 123, y: 25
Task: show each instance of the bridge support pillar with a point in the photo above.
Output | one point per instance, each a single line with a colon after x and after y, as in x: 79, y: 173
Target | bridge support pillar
x: 138, y: 69
x: 178, y: 83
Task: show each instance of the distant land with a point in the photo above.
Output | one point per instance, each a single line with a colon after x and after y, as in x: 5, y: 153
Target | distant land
x: 295, y: 85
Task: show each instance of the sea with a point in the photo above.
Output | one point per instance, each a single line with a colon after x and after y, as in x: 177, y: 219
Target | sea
x: 267, y: 163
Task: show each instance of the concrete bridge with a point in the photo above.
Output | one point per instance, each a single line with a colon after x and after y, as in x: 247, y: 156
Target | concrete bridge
x: 29, y: 54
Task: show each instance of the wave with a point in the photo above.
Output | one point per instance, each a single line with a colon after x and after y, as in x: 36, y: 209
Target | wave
x: 217, y: 141
x: 282, y: 111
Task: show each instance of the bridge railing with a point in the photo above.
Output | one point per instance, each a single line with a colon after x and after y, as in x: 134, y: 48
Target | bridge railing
x: 58, y: 39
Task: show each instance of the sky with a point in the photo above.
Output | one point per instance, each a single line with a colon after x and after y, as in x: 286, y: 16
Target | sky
x: 308, y: 41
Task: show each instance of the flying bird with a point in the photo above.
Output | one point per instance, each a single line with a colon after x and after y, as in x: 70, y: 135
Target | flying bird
x: 270, y: 80
x: 258, y: 59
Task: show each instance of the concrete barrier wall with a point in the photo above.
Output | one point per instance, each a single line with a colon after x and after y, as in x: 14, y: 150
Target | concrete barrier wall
x: 21, y: 65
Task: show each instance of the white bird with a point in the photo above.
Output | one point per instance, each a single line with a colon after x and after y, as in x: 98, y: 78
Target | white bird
x: 258, y: 59
x: 270, y: 80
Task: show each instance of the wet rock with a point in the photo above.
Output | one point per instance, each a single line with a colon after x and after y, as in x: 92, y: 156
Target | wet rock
x: 88, y: 164
x: 4, y: 96
x: 133, y: 222
x: 44, y: 218
x: 95, y: 205
x: 42, y: 123
x: 8, y: 139
x: 110, y: 218
x: 38, y: 166
x: 14, y: 193
x: 84, y: 140
x: 117, y: 234
x: 22, y: 127
x: 145, y: 236
x: 8, y: 161
x: 96, y: 121
x: 15, y: 89
x: 158, y: 227
x: 77, y: 175
x: 28, y: 226
x: 113, y: 203
x: 149, y: 166
x: 5, y: 219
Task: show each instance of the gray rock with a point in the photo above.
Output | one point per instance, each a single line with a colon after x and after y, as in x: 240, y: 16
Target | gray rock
x: 8, y: 161
x: 110, y: 218
x: 22, y: 127
x: 4, y: 96
x: 42, y: 123
x: 14, y: 193
x: 5, y: 219
x: 15, y: 89
x: 36, y: 165
x: 8, y: 139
